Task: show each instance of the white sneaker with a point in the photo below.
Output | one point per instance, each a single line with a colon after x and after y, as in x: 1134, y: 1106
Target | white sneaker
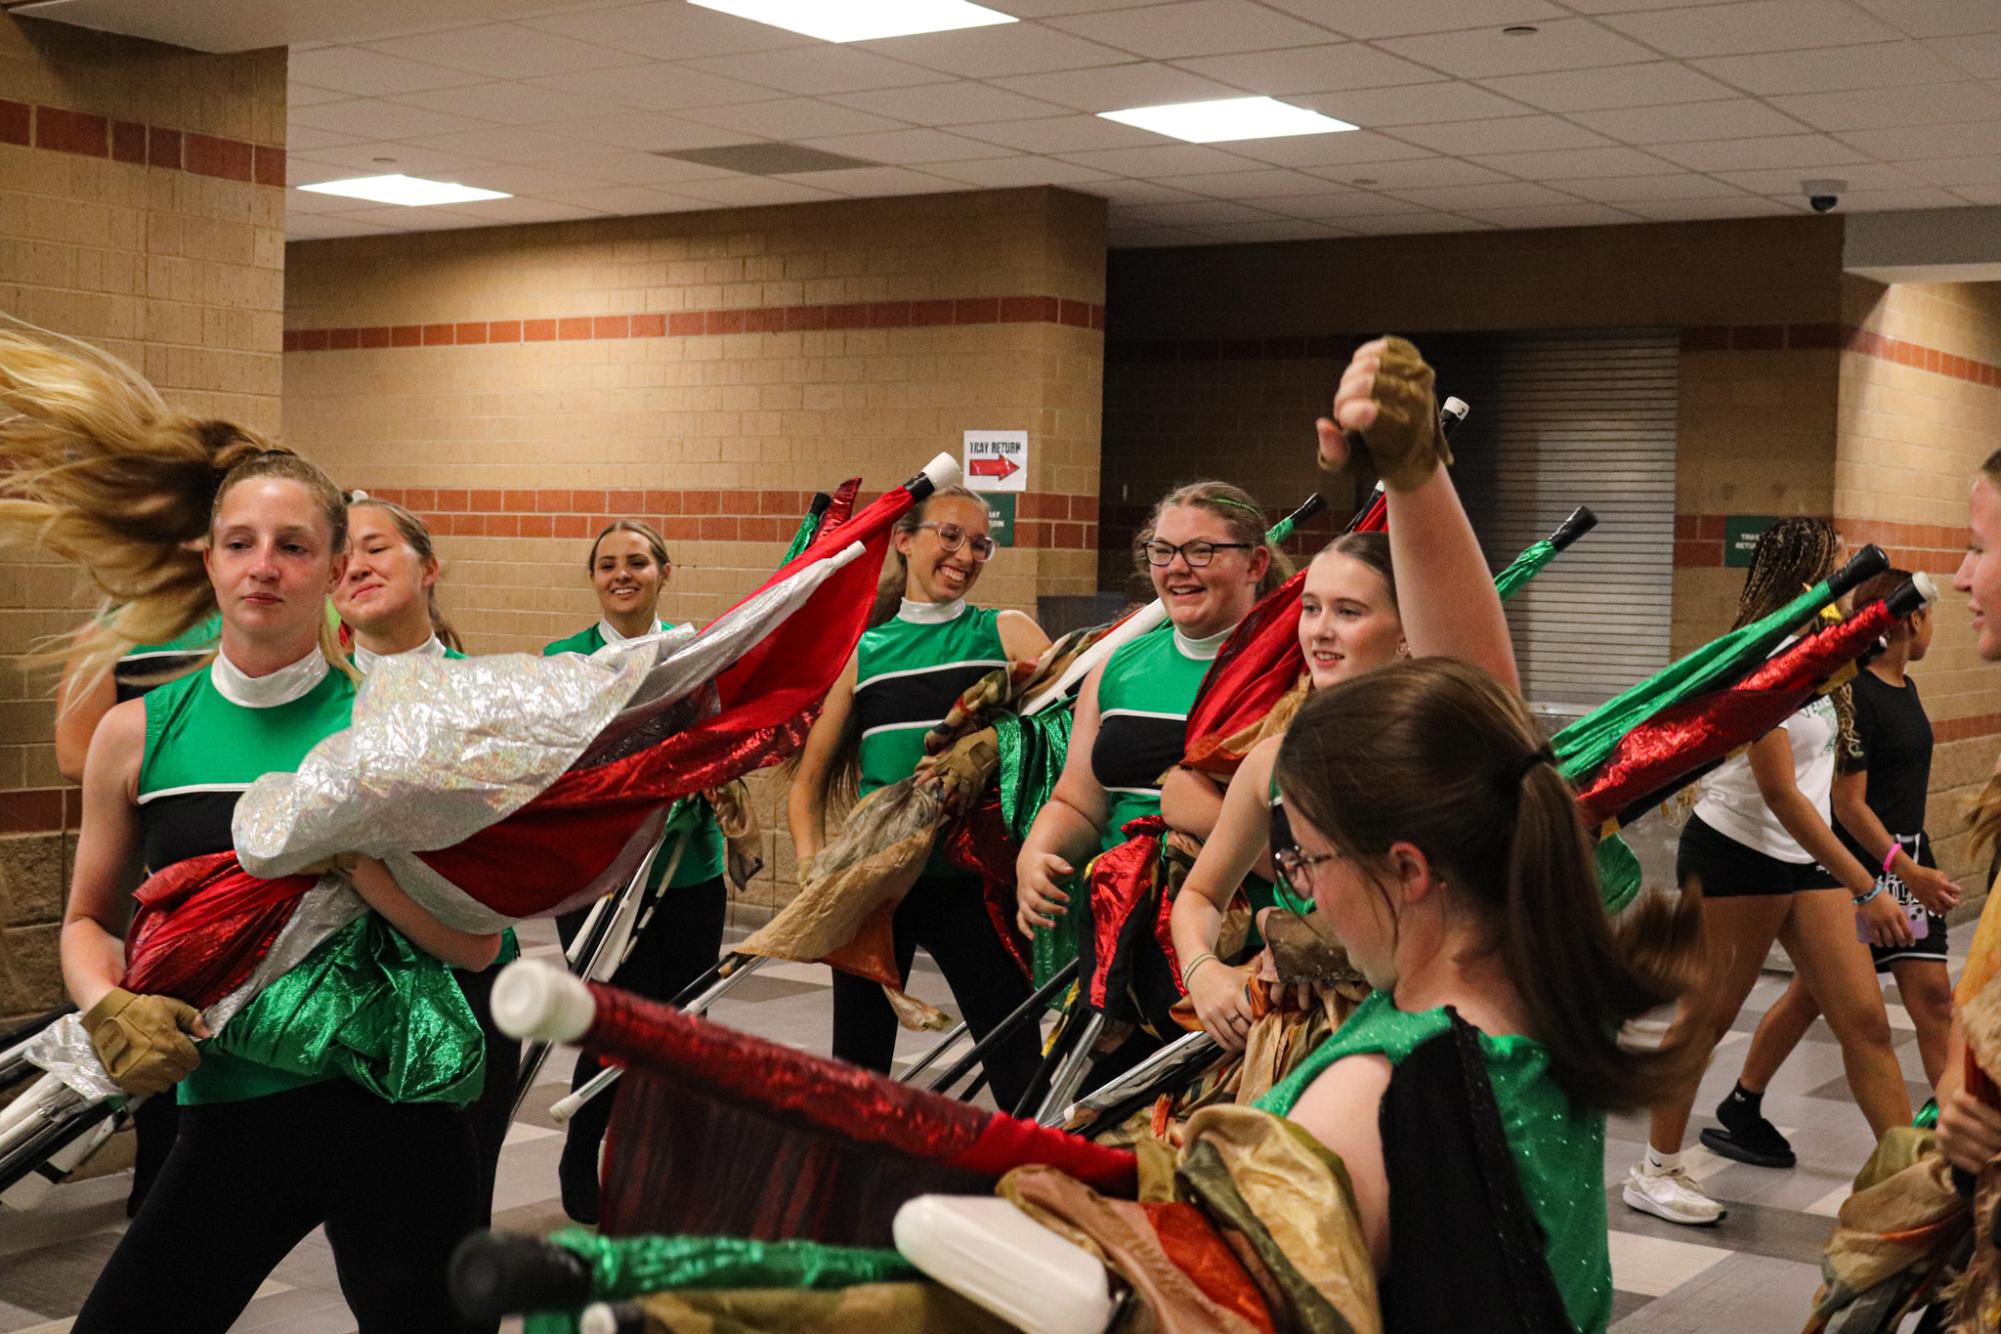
x: 1671, y: 1195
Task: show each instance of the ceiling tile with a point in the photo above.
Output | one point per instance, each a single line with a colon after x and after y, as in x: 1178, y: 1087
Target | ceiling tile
x: 1499, y: 194
x: 639, y: 168
x: 1412, y: 104
x: 1860, y: 176
x: 1413, y: 173
x: 1613, y: 86
x: 1046, y: 9
x: 1512, y: 134
x: 658, y: 87
x: 1117, y: 87
x: 645, y: 132
x: 1342, y: 204
x: 1415, y: 223
x: 350, y: 69
x: 906, y: 147
x: 791, y: 118
x: 871, y: 182
x: 627, y: 200
x: 755, y: 191
x: 303, y: 95
x: 1981, y: 169
x: 1755, y: 25
x: 367, y: 118
x: 505, y: 51
x: 1553, y: 215
x: 1259, y: 184
x: 306, y: 139
x: 1487, y: 53
x: 506, y: 144
x: 1625, y: 190
x: 1277, y: 229
x: 507, y: 103
x: 442, y: 218
x: 1937, y: 18
x: 1194, y: 28
x: 1834, y: 69
x: 668, y: 30
x: 1789, y: 150
x: 1162, y: 160
x: 1911, y: 141
x: 375, y: 158
x: 987, y: 53
x: 961, y: 102
x: 1391, y: 18
x: 1980, y: 194
x: 1121, y: 190
x: 1881, y: 108
x: 1193, y: 213
x: 1063, y: 134
x: 1740, y: 118
x: 530, y: 210
x: 1337, y: 66
x: 1576, y: 164
x: 1327, y: 150
x: 811, y: 70
x: 318, y: 227
x: 516, y: 179
x: 1679, y: 210
x: 1978, y: 56
x: 998, y: 173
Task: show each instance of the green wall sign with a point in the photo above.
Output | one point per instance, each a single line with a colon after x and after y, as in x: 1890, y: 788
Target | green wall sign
x: 1000, y: 516
x: 1740, y: 536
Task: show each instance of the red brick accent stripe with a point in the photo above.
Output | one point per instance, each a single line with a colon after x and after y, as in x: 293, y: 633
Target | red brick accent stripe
x: 697, y: 323
x: 1933, y: 548
x: 62, y: 130
x: 1044, y: 520
x: 39, y: 810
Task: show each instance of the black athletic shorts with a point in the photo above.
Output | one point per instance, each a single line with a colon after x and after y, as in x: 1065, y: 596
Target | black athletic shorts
x: 1727, y: 869
x: 1933, y: 946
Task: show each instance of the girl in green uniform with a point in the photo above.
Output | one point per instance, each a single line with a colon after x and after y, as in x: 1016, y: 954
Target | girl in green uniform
x: 1444, y: 851
x: 388, y: 599
x: 109, y: 475
x: 924, y: 648
x: 629, y: 567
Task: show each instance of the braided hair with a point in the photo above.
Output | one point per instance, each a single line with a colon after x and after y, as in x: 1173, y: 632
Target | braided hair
x: 1791, y: 556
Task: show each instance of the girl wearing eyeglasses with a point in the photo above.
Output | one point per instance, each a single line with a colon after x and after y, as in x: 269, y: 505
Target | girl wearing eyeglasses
x: 925, y: 646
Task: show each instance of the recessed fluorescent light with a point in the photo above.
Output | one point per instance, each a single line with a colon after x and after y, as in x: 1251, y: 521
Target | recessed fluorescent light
x: 1230, y: 118
x: 861, y: 20
x: 410, y: 190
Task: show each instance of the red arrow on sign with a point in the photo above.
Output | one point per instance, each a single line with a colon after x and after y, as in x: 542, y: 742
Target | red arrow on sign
x: 1000, y: 468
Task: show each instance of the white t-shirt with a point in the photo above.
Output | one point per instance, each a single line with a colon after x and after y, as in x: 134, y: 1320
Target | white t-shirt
x: 1732, y: 806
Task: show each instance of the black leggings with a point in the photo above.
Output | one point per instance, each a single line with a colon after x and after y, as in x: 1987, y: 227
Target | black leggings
x: 494, y: 1111
x: 394, y: 1184
x: 683, y: 941
x: 947, y: 915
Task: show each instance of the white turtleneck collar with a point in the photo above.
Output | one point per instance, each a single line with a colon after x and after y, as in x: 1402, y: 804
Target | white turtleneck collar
x: 1202, y: 650
x: 275, y: 688
x: 365, y: 659
x: 930, y: 613
x: 610, y: 634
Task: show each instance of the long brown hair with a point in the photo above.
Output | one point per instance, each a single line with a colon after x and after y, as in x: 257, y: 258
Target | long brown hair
x: 1241, y: 514
x: 1372, y: 550
x: 97, y: 468
x: 896, y: 577
x: 1432, y: 751
x: 416, y: 534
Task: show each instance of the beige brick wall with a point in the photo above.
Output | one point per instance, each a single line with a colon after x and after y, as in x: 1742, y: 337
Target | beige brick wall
x: 132, y: 216
x: 1909, y: 439
x: 699, y: 370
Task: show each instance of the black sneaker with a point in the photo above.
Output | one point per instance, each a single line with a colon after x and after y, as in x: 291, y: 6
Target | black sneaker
x: 1747, y: 1137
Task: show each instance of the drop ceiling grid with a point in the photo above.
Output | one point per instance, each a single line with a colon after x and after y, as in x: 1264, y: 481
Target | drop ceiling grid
x: 1616, y: 111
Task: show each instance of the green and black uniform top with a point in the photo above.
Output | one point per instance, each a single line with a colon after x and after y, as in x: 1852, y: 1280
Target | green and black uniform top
x: 144, y: 666
x: 1144, y: 696
x: 1558, y: 1149
x: 909, y: 671
x: 209, y: 736
x: 364, y: 662
x: 704, y: 859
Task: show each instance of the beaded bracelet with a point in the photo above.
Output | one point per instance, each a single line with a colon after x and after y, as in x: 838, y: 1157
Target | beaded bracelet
x: 1874, y: 890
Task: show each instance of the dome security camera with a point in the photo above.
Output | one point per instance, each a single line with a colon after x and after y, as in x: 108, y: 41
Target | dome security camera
x: 1822, y: 194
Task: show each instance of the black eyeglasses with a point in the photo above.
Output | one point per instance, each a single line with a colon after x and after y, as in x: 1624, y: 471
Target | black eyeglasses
x: 1197, y: 553
x: 951, y: 537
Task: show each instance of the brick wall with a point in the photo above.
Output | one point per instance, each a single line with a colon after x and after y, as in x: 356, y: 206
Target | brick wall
x: 141, y: 209
x: 521, y: 386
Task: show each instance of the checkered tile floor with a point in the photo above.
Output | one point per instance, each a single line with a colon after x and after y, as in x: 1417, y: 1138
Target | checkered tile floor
x: 1755, y: 1272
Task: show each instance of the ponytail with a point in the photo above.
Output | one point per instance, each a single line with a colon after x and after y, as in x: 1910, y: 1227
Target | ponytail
x: 1433, y: 752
